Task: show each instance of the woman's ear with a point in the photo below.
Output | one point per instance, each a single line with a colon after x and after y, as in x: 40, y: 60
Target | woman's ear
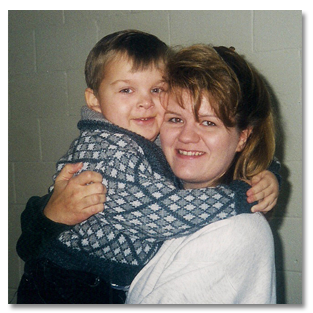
x: 92, y: 101
x: 244, y: 135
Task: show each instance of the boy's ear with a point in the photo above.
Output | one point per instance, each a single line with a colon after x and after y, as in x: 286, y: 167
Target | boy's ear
x: 92, y: 101
x: 244, y: 135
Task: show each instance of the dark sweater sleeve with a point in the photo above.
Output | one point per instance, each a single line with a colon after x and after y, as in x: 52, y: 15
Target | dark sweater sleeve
x: 37, y: 229
x: 275, y: 169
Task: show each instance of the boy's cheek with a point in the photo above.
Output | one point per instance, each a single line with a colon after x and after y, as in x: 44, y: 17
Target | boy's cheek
x: 161, y: 119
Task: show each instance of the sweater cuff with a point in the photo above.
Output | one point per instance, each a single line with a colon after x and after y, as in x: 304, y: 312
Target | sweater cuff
x: 275, y: 167
x: 41, y: 222
x: 240, y: 189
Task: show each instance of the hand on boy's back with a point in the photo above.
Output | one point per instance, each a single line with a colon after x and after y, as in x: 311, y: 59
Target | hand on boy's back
x: 75, y: 199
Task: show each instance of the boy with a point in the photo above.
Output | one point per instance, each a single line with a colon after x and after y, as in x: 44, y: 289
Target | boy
x: 145, y: 203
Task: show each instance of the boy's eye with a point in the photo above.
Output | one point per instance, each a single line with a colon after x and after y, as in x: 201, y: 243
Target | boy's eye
x: 126, y: 90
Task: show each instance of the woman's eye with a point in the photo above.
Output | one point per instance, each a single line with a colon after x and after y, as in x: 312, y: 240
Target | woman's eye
x: 208, y: 123
x: 157, y: 90
x: 175, y: 120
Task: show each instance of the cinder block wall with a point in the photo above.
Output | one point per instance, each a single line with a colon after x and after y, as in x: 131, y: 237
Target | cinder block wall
x: 47, y: 51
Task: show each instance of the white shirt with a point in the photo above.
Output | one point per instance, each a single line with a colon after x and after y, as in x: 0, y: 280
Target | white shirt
x: 227, y: 262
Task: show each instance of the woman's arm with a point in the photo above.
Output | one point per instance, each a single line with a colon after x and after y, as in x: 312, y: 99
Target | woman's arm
x: 73, y: 200
x: 37, y: 229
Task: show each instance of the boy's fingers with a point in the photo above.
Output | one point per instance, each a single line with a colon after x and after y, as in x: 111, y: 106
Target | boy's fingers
x: 255, y: 179
x: 254, y: 190
x: 263, y: 206
x: 257, y: 195
x: 260, y: 207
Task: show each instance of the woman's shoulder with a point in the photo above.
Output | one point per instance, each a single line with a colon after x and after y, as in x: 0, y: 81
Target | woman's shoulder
x: 250, y: 233
x: 250, y: 221
x: 251, y: 225
x: 238, y: 233
x: 239, y: 224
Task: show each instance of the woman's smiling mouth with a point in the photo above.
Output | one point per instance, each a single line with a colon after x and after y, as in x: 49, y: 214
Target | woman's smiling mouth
x: 190, y: 153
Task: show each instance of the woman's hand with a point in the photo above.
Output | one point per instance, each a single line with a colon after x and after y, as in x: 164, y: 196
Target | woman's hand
x: 74, y: 199
x: 265, y: 190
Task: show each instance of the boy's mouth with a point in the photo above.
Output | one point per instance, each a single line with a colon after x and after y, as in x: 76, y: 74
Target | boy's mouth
x: 145, y: 120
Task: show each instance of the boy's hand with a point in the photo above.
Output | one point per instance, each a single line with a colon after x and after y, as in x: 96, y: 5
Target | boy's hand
x: 265, y: 190
x: 74, y: 199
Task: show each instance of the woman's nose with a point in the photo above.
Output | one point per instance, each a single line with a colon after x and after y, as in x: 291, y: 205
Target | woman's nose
x: 189, y: 134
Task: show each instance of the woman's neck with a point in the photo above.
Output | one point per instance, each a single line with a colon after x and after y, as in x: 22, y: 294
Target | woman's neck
x: 197, y: 185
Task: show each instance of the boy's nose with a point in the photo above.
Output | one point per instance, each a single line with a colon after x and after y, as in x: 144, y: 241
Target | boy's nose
x: 145, y: 101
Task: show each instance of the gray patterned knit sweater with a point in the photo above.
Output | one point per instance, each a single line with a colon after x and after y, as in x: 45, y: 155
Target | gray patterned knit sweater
x: 145, y: 203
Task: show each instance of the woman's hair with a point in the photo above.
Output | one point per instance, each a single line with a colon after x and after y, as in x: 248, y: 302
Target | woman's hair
x: 143, y: 49
x: 236, y: 93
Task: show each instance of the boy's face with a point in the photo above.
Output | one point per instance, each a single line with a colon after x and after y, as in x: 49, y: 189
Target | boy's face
x: 130, y: 99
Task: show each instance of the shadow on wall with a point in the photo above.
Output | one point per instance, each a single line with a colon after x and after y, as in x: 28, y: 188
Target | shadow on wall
x: 275, y: 223
x: 279, y: 211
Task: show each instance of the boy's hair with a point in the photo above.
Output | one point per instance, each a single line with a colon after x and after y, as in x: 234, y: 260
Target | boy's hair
x: 143, y: 49
x: 236, y: 93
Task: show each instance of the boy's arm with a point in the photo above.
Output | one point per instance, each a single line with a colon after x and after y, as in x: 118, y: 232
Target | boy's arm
x: 143, y: 203
x: 150, y: 206
x: 142, y: 198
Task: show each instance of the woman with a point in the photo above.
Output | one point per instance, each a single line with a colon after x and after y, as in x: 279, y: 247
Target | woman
x: 218, y: 119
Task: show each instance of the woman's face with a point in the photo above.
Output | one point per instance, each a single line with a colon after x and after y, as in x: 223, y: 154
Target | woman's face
x: 200, y: 152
